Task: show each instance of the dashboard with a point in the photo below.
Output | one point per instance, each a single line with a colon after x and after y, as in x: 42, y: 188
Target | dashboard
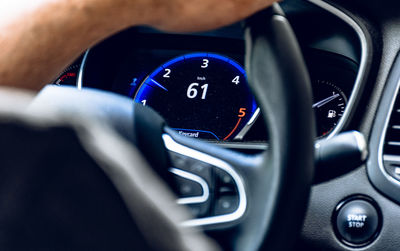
x: 198, y: 83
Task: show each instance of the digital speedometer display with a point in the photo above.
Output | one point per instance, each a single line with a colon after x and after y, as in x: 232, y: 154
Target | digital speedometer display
x: 201, y: 95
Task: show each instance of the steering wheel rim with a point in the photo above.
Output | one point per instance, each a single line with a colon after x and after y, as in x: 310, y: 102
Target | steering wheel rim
x: 288, y: 116
x: 276, y: 183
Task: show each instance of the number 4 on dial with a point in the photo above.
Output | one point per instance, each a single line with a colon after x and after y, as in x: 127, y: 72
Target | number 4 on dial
x: 236, y: 80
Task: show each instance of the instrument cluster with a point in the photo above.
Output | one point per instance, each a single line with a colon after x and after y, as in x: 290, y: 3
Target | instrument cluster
x: 199, y: 85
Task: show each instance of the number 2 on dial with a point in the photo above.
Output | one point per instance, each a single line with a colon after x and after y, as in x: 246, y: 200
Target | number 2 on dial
x: 167, y: 72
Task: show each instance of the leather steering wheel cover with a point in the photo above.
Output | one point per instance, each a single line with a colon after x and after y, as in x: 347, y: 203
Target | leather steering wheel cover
x: 279, y: 78
x: 140, y: 193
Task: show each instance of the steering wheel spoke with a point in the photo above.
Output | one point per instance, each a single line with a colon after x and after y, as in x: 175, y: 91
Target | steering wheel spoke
x: 210, y: 180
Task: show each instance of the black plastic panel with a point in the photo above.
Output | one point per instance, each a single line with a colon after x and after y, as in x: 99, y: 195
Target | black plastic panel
x: 382, y: 130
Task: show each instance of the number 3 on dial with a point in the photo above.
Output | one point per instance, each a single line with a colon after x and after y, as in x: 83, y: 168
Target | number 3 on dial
x: 205, y: 63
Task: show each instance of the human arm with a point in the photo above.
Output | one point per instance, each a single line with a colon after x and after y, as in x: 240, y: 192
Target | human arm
x: 39, y: 38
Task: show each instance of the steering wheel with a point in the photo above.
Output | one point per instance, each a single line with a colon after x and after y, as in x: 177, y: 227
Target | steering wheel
x: 75, y: 165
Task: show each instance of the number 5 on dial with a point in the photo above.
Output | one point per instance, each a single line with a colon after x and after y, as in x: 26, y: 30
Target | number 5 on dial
x: 242, y: 112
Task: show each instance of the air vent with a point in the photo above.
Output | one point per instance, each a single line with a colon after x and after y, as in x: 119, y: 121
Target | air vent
x: 391, y: 151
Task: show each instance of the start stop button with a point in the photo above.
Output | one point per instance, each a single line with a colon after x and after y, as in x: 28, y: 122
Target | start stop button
x: 357, y: 220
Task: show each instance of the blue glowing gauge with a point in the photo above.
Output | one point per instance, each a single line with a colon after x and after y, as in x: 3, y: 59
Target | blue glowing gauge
x: 201, y: 95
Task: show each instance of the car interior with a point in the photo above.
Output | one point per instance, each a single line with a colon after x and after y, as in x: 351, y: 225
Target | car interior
x: 279, y: 132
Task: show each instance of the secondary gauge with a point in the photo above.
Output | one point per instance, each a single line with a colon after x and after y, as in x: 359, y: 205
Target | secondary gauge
x: 329, y: 105
x: 201, y: 95
x: 69, y: 76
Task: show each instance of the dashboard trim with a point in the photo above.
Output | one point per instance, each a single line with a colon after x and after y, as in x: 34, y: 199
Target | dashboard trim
x: 248, y: 126
x: 376, y: 169
x: 260, y: 146
x: 360, y: 80
x: 79, y: 83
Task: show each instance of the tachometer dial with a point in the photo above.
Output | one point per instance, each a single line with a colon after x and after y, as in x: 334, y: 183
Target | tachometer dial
x: 329, y: 105
x: 69, y: 76
x: 200, y: 95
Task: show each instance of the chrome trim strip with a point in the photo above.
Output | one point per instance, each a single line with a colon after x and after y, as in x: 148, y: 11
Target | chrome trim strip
x: 79, y: 83
x: 255, y: 116
x: 173, y: 146
x: 363, y: 62
x: 197, y: 179
x: 393, y: 158
x: 244, y: 146
x: 249, y: 124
